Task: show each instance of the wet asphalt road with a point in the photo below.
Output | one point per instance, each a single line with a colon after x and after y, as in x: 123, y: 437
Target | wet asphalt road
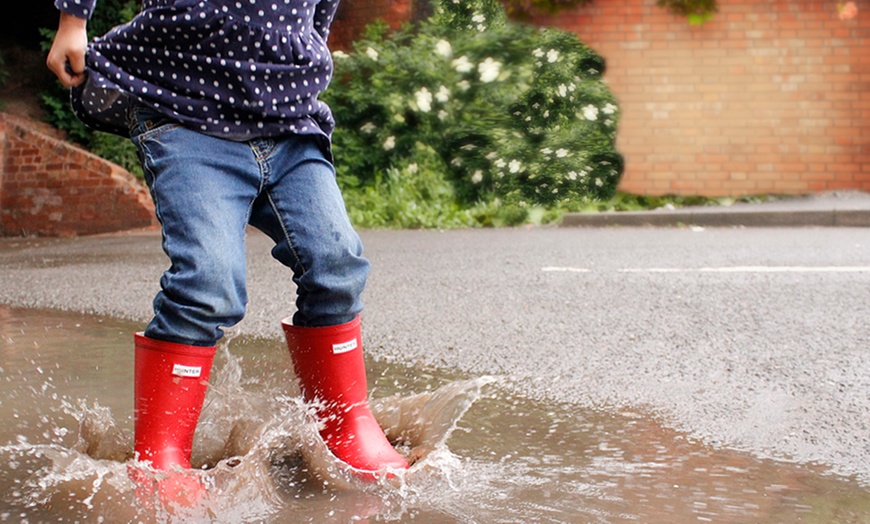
x: 755, y: 339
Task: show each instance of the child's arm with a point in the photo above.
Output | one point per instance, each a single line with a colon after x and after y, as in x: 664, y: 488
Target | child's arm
x: 66, y: 58
x: 68, y: 48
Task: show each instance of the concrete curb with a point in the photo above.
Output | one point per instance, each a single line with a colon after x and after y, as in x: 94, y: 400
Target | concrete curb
x: 832, y: 210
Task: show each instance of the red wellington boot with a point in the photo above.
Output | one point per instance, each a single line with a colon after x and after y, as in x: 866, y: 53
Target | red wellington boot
x: 331, y: 369
x: 170, y: 384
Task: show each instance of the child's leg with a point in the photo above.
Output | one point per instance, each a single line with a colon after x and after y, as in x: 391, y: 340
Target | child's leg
x: 203, y: 189
x: 303, y: 211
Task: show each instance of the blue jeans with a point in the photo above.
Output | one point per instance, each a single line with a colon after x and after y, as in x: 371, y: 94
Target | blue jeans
x: 206, y: 191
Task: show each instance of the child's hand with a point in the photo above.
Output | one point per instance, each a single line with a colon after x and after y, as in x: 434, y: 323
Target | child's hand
x: 66, y: 58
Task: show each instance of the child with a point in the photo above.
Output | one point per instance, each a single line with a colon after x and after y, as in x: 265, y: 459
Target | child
x: 220, y: 98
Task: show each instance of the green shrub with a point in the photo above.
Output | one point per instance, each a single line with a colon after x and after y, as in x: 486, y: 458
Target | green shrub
x: 466, y: 119
x: 515, y: 117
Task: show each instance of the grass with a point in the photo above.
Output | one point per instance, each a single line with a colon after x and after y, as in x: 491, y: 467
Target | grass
x: 622, y: 201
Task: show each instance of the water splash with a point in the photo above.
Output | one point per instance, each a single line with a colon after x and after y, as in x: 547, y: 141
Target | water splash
x: 258, y: 452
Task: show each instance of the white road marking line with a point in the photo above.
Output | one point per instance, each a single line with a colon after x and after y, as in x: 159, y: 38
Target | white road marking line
x: 752, y: 269
x: 726, y: 269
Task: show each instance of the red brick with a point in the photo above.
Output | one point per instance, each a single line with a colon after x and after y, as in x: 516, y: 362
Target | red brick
x: 49, y: 187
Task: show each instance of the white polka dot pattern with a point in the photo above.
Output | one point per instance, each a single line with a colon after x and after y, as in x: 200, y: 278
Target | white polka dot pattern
x: 232, y: 68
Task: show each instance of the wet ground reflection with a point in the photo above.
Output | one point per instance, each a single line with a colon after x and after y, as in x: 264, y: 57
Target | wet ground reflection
x: 485, y: 454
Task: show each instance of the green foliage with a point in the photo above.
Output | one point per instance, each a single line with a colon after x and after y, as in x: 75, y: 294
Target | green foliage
x: 415, y: 195
x: 4, y: 72
x: 697, y: 11
x: 630, y: 202
x: 117, y: 149
x: 60, y: 115
x: 110, y: 13
x: 516, y: 118
x: 56, y: 101
x: 469, y: 15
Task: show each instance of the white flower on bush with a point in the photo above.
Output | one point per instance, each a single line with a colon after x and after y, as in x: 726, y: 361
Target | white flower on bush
x: 443, y: 94
x: 538, y: 52
x: 412, y: 168
x: 563, y: 90
x: 561, y: 152
x: 572, y: 175
x: 500, y: 163
x: 371, y: 53
x: 442, y: 115
x: 590, y: 112
x: 338, y: 55
x: 368, y: 128
x: 424, y: 100
x: 489, y: 70
x: 389, y: 143
x: 463, y: 85
x: 443, y: 48
x: 608, y: 109
x: 599, y: 182
x: 552, y: 56
x: 462, y: 64
x: 546, y: 151
x: 477, y: 177
x: 479, y: 19
x: 515, y: 166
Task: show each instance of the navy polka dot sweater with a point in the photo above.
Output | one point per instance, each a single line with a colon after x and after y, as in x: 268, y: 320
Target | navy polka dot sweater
x: 236, y: 69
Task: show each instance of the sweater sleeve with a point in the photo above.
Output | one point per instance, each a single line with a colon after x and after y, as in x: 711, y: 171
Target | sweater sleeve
x: 322, y: 17
x: 78, y: 8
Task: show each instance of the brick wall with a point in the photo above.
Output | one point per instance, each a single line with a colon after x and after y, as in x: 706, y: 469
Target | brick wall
x: 771, y: 96
x: 352, y: 18
x: 51, y: 188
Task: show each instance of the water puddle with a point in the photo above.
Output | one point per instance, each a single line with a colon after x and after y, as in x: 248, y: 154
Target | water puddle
x: 484, y: 454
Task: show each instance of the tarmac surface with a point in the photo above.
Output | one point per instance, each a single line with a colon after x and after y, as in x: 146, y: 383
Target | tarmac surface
x: 752, y: 337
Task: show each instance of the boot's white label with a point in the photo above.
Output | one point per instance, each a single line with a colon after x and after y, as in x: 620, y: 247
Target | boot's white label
x: 344, y: 347
x: 180, y: 370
